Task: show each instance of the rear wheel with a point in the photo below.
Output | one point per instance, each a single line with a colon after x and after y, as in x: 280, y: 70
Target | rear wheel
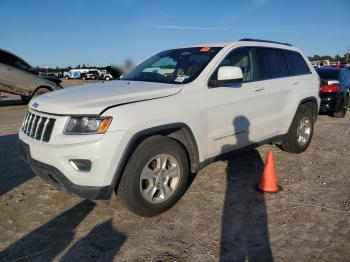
x: 300, y: 132
x: 342, y: 113
x: 155, y: 177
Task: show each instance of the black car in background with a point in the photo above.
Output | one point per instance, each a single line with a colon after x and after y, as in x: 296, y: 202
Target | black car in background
x: 91, y: 75
x: 334, y: 90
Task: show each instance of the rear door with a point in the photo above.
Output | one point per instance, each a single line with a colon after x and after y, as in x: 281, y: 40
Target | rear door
x: 274, y: 76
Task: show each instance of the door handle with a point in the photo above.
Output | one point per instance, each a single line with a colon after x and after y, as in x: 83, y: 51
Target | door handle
x: 257, y: 89
x: 294, y: 83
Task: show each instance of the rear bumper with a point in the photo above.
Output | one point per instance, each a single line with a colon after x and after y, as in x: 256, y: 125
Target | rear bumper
x: 55, y: 177
x: 330, y: 102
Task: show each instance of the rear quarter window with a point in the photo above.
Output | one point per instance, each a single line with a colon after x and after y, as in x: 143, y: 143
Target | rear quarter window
x: 296, y: 63
x: 272, y: 63
x: 347, y: 76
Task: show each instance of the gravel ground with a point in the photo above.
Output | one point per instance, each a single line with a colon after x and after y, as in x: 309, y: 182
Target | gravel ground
x: 220, y: 216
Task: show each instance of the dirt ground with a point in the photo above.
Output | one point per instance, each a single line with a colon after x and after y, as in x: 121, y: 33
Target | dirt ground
x: 221, y: 216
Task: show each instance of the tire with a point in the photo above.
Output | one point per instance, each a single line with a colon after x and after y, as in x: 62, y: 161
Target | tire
x: 107, y: 78
x: 133, y: 185
x: 25, y: 99
x: 342, y: 112
x: 297, y: 141
x: 40, y: 91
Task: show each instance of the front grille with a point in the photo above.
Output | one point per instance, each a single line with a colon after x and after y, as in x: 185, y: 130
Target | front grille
x: 38, y: 127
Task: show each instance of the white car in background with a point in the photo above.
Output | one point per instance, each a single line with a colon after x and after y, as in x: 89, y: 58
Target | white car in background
x: 142, y: 136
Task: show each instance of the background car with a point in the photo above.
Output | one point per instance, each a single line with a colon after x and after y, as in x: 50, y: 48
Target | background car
x: 19, y: 78
x: 91, y: 75
x: 112, y: 71
x: 334, y: 90
x: 107, y: 77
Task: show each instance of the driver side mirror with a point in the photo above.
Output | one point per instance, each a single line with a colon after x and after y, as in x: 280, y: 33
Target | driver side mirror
x: 228, y: 74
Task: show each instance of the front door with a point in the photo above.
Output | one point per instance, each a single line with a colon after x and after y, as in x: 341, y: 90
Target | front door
x: 236, y: 111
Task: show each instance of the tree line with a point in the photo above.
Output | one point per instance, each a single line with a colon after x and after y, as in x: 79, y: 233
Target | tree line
x: 67, y: 68
x: 342, y: 59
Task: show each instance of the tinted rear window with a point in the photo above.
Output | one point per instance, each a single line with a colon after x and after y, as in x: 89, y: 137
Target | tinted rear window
x: 272, y: 63
x: 330, y: 74
x: 296, y: 63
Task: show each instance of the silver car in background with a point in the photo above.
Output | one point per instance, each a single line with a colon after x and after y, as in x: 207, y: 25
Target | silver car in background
x: 19, y: 78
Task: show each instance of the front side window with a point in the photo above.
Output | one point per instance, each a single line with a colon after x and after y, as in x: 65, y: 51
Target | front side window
x: 272, y: 63
x: 177, y: 66
x: 243, y: 58
x: 296, y: 63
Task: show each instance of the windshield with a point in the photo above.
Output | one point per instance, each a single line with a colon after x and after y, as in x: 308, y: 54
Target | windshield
x: 177, y: 66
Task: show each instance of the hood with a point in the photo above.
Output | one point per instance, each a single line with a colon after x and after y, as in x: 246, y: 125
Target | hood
x: 92, y: 99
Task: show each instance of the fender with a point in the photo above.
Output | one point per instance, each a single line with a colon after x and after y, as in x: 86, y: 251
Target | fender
x: 303, y: 101
x: 315, y: 109
x: 46, y: 87
x: 191, y: 147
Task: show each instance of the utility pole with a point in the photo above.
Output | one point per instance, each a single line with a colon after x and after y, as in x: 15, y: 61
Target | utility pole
x: 347, y: 55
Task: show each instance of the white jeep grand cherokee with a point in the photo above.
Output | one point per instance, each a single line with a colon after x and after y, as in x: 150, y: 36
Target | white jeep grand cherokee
x: 142, y: 135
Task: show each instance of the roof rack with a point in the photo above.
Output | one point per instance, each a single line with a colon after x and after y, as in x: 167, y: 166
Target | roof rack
x: 264, y: 41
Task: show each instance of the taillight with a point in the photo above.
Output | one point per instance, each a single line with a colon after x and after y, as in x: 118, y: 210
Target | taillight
x: 332, y: 88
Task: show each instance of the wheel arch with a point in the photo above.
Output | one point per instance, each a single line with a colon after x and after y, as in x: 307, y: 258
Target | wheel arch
x: 180, y: 132
x: 311, y: 101
x: 42, y: 86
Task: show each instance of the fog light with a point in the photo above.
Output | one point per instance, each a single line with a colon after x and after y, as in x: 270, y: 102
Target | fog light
x: 83, y: 165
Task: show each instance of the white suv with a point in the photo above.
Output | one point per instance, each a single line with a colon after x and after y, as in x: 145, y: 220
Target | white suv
x: 142, y: 135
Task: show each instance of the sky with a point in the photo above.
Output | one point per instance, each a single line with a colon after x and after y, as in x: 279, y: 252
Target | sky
x: 103, y: 32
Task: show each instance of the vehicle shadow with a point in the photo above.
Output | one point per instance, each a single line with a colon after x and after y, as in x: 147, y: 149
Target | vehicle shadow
x: 4, y: 101
x: 102, y: 243
x: 45, y: 243
x: 244, y: 235
x: 13, y: 171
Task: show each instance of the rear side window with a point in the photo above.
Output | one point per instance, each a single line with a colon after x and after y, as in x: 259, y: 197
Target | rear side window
x: 296, y: 63
x: 14, y: 61
x: 346, y: 76
x: 272, y: 63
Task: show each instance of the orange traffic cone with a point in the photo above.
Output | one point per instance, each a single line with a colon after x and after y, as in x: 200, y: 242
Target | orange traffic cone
x: 268, y: 179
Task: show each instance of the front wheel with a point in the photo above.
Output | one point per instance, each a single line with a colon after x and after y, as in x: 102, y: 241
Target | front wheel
x: 155, y: 177
x: 41, y: 91
x: 25, y: 99
x: 300, y: 132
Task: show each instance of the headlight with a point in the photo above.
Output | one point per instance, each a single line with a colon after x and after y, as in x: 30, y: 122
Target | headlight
x: 87, y: 125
